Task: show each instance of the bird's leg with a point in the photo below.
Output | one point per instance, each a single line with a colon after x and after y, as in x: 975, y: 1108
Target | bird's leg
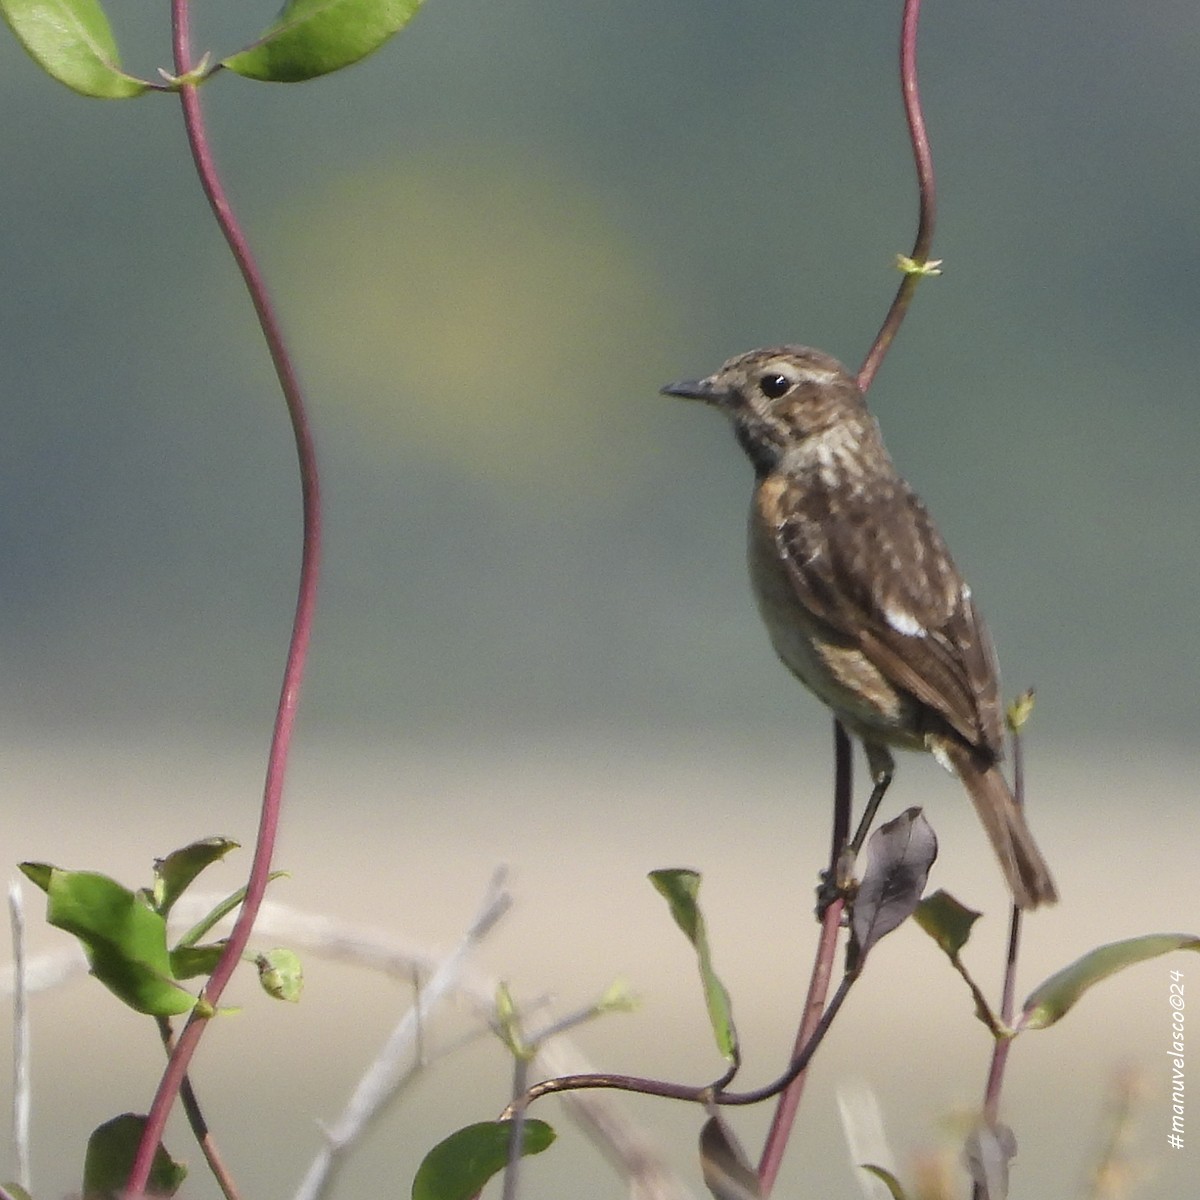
x: 842, y: 882
x: 883, y: 767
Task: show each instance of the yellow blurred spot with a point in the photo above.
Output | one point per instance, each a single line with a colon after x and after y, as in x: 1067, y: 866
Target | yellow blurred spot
x: 487, y: 311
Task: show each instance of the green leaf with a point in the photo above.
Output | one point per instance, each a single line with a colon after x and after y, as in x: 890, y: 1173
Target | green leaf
x: 280, y: 974
x: 125, y: 941
x: 949, y: 923
x: 222, y: 910
x: 946, y: 921
x: 892, y: 1184
x: 16, y: 1191
x: 314, y: 37
x: 1017, y: 715
x: 681, y: 887
x: 174, y: 874
x: 38, y: 873
x: 71, y: 41
x: 459, y: 1166
x: 110, y: 1153
x: 1051, y: 1000
x: 187, y: 962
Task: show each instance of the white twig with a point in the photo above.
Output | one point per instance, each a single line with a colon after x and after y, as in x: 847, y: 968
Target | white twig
x: 397, y: 1059
x: 862, y: 1126
x: 516, y: 1134
x: 45, y: 972
x: 22, y: 1085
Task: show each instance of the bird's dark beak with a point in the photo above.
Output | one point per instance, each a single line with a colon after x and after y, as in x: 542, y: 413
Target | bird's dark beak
x: 696, y: 389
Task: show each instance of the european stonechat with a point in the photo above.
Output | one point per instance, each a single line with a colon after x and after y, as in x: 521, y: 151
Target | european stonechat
x: 858, y: 591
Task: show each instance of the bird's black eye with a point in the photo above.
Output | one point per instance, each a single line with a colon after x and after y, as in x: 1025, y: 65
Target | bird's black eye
x: 774, y: 385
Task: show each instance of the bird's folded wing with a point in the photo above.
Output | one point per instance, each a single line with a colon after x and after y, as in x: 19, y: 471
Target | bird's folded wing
x: 875, y: 568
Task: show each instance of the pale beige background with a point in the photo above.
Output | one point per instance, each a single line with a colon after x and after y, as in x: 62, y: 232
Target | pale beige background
x: 406, y: 841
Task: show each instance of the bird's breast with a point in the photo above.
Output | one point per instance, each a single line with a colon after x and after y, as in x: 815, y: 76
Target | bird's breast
x: 827, y: 661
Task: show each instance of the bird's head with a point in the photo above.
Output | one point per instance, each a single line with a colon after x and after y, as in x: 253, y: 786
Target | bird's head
x: 779, y: 398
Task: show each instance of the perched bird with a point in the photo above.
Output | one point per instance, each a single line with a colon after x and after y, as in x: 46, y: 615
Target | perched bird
x: 858, y: 591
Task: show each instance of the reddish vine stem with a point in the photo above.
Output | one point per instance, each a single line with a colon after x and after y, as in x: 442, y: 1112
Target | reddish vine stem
x: 195, y: 1118
x: 1008, y: 994
x: 814, y: 1010
x: 771, y: 1158
x: 926, y: 187
x: 814, y: 1004
x: 285, y: 717
x: 708, y: 1093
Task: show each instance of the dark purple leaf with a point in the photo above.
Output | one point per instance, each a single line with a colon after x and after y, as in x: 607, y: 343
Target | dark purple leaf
x: 899, y: 855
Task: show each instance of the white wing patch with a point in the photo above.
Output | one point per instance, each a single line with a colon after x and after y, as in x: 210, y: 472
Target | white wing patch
x: 904, y: 622
x: 938, y: 751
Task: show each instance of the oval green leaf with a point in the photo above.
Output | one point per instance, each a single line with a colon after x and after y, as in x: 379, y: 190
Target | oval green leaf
x: 315, y: 37
x: 71, y: 41
x: 459, y: 1166
x: 1051, y: 1000
x: 946, y: 921
x: 174, y: 874
x: 125, y: 941
x: 109, y: 1159
x: 681, y: 888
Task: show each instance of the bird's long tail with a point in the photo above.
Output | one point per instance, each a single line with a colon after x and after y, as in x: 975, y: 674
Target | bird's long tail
x: 1028, y: 876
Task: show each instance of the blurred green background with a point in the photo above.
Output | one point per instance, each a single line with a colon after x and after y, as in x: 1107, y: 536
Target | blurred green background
x: 490, y: 244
